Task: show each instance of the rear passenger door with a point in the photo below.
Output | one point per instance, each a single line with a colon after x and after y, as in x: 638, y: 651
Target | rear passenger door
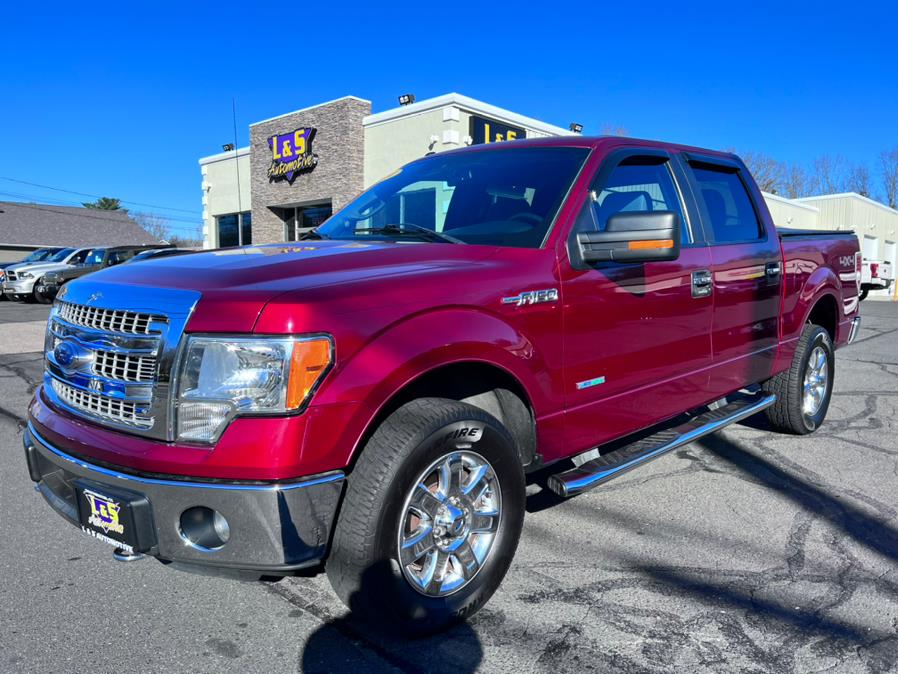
x: 746, y: 267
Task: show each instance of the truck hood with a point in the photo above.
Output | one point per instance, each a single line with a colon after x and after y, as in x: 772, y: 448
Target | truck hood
x: 236, y: 283
x: 39, y: 267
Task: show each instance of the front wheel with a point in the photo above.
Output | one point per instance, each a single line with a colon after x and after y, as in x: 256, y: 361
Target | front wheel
x: 39, y: 297
x: 431, y: 518
x: 804, y: 390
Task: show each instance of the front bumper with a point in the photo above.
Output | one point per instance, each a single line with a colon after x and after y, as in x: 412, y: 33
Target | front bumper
x: 275, y: 528
x: 18, y: 288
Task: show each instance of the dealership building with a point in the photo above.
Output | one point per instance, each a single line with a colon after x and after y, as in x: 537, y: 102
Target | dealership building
x: 303, y: 165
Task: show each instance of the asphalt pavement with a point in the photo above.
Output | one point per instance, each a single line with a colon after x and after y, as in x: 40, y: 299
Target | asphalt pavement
x: 749, y: 551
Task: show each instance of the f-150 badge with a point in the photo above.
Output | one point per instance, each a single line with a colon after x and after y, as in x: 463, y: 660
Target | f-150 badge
x: 532, y: 297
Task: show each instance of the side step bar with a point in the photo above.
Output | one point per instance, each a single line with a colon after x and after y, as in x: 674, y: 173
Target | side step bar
x: 603, y: 468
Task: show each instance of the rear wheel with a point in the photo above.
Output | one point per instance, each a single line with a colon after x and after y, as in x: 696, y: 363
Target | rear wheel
x: 804, y: 390
x: 431, y: 518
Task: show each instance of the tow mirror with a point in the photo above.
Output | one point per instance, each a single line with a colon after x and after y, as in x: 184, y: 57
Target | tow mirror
x: 652, y: 236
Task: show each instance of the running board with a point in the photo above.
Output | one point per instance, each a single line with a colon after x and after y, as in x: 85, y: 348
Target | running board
x: 603, y: 468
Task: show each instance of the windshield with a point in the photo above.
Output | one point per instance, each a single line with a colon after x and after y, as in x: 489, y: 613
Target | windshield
x: 39, y: 255
x: 61, y: 255
x: 95, y: 256
x: 500, y: 197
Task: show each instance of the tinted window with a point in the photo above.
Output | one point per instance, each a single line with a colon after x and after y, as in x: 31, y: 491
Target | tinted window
x: 78, y: 258
x: 632, y: 188
x: 728, y: 206
x: 228, y: 235
x: 499, y: 197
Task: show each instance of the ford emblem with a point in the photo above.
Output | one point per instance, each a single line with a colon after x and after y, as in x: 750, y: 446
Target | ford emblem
x: 71, y: 356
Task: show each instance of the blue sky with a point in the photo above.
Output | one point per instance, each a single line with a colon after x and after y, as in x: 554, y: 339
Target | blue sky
x: 122, y: 99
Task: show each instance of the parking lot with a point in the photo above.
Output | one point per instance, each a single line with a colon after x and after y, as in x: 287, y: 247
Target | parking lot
x: 748, y: 551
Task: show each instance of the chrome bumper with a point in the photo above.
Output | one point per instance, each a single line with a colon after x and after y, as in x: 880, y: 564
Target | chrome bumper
x: 18, y: 287
x: 854, y: 329
x: 274, y: 528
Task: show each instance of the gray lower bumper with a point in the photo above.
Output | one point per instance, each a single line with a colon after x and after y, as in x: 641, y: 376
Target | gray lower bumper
x: 274, y: 528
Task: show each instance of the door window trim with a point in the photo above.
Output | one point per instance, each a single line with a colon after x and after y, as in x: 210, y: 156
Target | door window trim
x: 603, y: 172
x: 723, y: 165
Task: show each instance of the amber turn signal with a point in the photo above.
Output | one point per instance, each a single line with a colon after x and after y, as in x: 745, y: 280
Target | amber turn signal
x: 309, y: 361
x: 651, y: 244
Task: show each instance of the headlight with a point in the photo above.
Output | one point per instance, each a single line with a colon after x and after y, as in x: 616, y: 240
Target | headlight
x: 221, y: 377
x: 26, y: 274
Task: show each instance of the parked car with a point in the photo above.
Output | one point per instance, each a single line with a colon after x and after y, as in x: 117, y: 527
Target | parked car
x: 95, y: 259
x: 23, y: 279
x: 33, y: 256
x: 160, y: 252
x: 368, y: 401
x: 876, y: 275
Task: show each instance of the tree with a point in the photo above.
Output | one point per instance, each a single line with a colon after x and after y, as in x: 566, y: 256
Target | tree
x: 795, y: 181
x: 888, y: 164
x: 104, y: 204
x: 829, y: 174
x: 858, y: 180
x: 155, y: 225
x: 767, y: 171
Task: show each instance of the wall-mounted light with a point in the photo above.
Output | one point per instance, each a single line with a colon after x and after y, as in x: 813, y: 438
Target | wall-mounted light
x: 576, y: 128
x: 406, y: 99
x: 227, y: 147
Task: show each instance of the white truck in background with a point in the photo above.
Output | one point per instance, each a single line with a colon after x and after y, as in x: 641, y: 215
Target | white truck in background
x: 876, y: 275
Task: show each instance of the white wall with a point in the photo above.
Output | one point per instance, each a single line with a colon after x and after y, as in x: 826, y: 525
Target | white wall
x: 221, y: 174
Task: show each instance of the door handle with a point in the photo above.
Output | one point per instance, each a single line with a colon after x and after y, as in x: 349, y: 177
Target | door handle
x: 772, y: 269
x: 702, y: 283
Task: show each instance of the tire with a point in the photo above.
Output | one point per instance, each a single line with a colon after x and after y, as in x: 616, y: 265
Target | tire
x: 364, y: 565
x: 792, y: 412
x: 864, y: 294
x: 39, y: 297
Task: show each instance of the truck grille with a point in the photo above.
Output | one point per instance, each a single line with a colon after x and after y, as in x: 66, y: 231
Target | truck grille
x: 113, y: 320
x: 125, y: 366
x: 112, y: 363
x: 11, y: 275
x: 101, y: 406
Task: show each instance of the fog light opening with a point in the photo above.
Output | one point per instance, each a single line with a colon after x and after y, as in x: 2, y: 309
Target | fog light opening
x: 204, y: 528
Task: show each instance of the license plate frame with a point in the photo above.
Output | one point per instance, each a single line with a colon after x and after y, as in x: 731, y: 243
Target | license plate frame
x: 117, y: 517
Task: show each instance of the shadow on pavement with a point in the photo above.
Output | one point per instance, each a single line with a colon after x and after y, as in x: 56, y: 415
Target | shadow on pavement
x: 457, y: 650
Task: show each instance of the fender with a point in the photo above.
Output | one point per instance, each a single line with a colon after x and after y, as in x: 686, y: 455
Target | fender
x: 822, y: 282
x: 357, y: 390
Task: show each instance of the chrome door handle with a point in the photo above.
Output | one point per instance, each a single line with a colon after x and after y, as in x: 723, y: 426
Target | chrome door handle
x: 772, y: 269
x: 702, y: 283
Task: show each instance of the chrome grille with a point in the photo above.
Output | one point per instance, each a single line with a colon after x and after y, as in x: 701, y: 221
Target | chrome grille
x: 100, y: 406
x: 125, y: 366
x: 112, y: 320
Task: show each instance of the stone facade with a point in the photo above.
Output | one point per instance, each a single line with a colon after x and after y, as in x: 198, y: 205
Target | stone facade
x: 337, y: 178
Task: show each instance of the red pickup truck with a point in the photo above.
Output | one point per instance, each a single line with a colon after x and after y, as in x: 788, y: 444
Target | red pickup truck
x: 368, y: 401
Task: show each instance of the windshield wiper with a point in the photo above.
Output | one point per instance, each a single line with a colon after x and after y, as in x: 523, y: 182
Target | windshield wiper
x: 311, y: 234
x: 408, y: 229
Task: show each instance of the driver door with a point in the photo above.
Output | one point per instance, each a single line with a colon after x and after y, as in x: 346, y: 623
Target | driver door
x: 637, y: 336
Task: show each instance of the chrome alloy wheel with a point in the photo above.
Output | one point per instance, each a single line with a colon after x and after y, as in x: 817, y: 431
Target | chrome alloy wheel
x: 816, y: 380
x: 449, y: 523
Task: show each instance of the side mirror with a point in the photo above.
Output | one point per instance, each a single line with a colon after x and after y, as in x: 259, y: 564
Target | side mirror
x: 652, y: 236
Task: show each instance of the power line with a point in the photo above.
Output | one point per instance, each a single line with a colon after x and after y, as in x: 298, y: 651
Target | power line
x: 72, y: 204
x: 90, y: 216
x: 95, y: 196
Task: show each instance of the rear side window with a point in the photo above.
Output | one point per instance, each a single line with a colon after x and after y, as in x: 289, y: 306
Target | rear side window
x: 633, y: 187
x: 727, y: 204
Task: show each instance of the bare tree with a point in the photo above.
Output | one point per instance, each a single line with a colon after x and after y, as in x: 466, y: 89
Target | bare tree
x: 858, y: 180
x: 888, y: 164
x: 155, y: 225
x: 767, y: 171
x: 829, y: 174
x: 795, y: 181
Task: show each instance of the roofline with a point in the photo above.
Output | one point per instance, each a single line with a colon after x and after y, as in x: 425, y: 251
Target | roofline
x: 464, y: 102
x: 791, y: 202
x: 310, y: 107
x: 844, y: 195
x: 221, y: 156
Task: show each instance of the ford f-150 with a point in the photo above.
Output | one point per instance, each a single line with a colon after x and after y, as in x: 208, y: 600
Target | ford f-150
x: 370, y: 400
